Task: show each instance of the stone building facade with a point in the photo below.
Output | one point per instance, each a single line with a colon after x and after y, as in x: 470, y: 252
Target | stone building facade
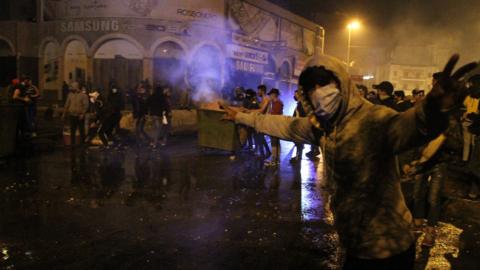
x: 186, y: 43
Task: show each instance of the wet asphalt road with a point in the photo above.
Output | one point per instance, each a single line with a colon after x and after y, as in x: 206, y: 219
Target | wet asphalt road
x: 183, y: 208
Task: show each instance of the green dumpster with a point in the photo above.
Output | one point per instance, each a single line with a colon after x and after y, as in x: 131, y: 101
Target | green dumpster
x: 213, y: 132
x: 8, y: 129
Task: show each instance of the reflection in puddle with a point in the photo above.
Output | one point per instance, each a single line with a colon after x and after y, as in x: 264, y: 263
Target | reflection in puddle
x: 447, y: 244
x: 311, y: 201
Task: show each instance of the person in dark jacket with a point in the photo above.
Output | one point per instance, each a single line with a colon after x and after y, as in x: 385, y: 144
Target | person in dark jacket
x: 161, y: 110
x: 139, y: 99
x: 111, y: 116
x: 299, y: 112
x: 250, y: 102
x: 385, y: 91
x: 20, y: 98
x: 359, y: 142
x: 401, y: 104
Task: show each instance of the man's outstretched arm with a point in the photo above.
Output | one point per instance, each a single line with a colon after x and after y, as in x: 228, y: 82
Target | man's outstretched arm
x: 296, y: 129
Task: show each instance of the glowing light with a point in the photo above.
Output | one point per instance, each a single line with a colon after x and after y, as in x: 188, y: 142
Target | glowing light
x: 5, y: 254
x: 354, y: 25
x: 368, y: 77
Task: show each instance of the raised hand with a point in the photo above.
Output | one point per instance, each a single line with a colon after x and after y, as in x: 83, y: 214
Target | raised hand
x: 230, y: 114
x: 450, y: 90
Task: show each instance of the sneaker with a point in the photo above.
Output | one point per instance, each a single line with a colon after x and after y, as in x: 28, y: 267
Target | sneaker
x: 272, y: 164
x: 295, y: 160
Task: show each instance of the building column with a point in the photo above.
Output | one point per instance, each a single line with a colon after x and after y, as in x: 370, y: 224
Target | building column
x: 61, y: 75
x: 148, y: 69
x: 319, y: 41
x: 89, y: 69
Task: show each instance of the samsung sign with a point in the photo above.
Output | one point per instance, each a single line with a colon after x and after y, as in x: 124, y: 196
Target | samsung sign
x: 90, y: 26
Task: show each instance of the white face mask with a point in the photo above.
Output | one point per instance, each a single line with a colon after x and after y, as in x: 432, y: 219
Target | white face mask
x: 326, y: 101
x: 114, y: 90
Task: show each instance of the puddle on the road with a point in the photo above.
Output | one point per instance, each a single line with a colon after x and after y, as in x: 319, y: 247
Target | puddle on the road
x: 447, y: 244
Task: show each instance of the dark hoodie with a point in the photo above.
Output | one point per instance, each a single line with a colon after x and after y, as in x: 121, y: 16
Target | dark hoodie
x: 371, y: 216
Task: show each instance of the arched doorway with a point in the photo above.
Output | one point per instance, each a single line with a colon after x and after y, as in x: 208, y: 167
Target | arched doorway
x: 118, y: 62
x: 8, y: 63
x: 169, y: 63
x: 75, y: 63
x: 169, y: 67
x: 205, y: 73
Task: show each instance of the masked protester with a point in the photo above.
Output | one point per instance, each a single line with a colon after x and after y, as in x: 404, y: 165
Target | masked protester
x: 359, y: 141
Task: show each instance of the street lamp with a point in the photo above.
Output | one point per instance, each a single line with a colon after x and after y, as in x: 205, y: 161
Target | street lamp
x: 353, y: 25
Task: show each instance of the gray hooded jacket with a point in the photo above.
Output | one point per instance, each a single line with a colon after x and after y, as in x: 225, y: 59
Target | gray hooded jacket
x: 371, y: 216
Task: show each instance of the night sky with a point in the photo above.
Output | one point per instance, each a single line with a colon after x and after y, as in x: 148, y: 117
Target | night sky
x: 394, y: 22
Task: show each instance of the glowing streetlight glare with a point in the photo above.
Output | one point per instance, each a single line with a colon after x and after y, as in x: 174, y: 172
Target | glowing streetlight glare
x: 354, y: 25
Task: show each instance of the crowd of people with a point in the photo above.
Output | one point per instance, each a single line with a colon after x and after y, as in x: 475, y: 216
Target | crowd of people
x: 267, y: 102
x: 103, y: 112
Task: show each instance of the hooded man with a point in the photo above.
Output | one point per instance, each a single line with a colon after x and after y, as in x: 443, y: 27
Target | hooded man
x: 359, y: 141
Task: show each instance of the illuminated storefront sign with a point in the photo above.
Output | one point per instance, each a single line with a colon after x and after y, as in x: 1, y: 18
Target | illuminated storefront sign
x: 249, y: 67
x: 247, y: 54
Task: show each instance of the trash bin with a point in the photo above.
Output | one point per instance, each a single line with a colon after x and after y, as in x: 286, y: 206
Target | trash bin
x: 8, y: 128
x: 213, y: 132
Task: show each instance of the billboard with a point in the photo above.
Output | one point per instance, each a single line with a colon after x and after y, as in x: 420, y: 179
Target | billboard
x: 209, y: 11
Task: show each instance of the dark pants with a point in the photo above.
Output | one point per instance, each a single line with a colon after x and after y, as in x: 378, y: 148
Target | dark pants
x: 77, y: 123
x: 429, y: 192
x: 261, y: 144
x: 31, y: 117
x: 22, y: 123
x: 402, y: 261
x: 107, y: 127
x: 140, y: 129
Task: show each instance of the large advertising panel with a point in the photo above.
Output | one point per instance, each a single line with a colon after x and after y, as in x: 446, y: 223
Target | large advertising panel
x: 207, y: 11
